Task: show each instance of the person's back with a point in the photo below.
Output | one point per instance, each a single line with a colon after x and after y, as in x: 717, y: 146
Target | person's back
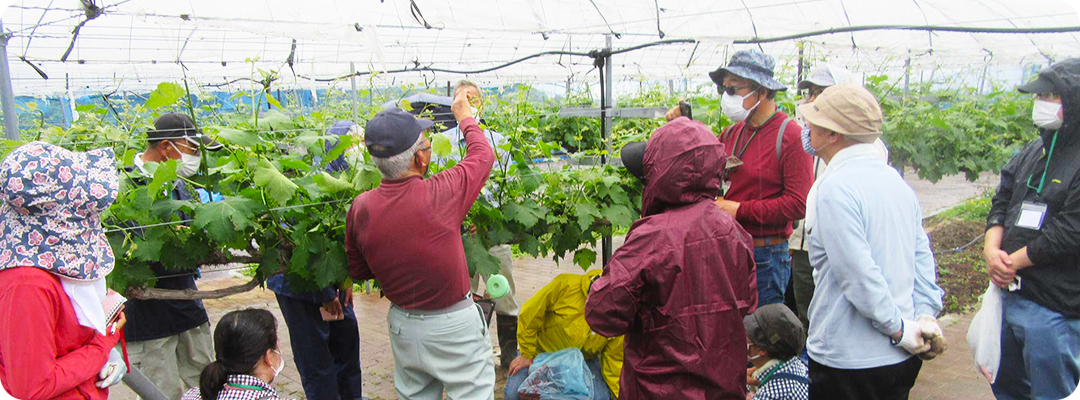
x: 684, y: 279
x: 877, y: 193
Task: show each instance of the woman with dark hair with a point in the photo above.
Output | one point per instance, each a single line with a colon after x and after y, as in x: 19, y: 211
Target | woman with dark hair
x: 248, y: 360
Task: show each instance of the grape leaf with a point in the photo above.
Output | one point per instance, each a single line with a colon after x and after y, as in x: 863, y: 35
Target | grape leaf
x: 530, y: 245
x: 367, y: 178
x: 166, y: 94
x: 618, y: 215
x: 440, y: 145
x: 478, y: 258
x: 527, y: 213
x: 273, y: 101
x: 584, y: 258
x: 238, y: 137
x: 343, y: 144
x: 163, y: 173
x: 586, y: 213
x: 329, y: 184
x: 165, y: 209
x: 294, y: 164
x: 277, y: 185
x: 148, y: 247
x: 224, y: 219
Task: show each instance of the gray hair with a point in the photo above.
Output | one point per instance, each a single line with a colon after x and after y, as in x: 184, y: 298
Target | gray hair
x: 396, y: 166
x: 464, y: 83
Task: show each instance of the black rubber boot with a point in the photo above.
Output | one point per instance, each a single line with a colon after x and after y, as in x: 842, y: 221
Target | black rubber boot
x: 507, y: 325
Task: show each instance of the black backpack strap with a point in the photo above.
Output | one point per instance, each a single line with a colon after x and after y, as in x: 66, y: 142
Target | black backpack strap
x: 780, y: 137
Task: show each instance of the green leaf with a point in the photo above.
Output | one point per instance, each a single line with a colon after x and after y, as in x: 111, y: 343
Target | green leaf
x: 586, y: 213
x: 584, y: 258
x: 163, y: 173
x: 148, y: 248
x: 294, y: 164
x: 527, y: 213
x: 478, y: 258
x: 223, y: 220
x: 530, y: 245
x: 344, y: 143
x: 280, y: 188
x: 165, y: 209
x: 166, y: 94
x: 618, y: 215
x: 329, y: 184
x: 273, y: 101
x: 367, y: 178
x: 238, y: 137
x: 275, y: 120
x: 440, y: 145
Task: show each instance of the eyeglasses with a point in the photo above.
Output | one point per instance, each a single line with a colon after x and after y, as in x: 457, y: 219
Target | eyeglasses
x: 187, y: 146
x: 731, y: 90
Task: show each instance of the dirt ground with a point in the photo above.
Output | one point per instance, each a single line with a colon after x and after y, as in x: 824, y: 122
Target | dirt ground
x: 961, y: 273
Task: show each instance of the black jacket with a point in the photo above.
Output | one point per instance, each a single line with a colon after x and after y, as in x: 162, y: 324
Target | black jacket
x: 1054, y: 280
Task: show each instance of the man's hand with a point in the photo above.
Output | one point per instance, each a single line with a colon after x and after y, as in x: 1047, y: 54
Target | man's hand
x: 999, y: 265
x: 462, y: 106
x: 348, y: 296
x: 113, y: 371
x: 931, y: 332
x: 332, y: 307
x: 519, y: 363
x: 674, y: 112
x: 911, y: 338
x: 728, y: 206
x: 750, y: 377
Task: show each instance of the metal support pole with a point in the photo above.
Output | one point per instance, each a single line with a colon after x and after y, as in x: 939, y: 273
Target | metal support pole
x: 11, y: 119
x: 355, y: 102
x: 907, y: 76
x: 606, y: 119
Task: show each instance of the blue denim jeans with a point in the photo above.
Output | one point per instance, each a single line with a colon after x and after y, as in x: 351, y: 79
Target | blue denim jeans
x: 326, y: 353
x: 1040, y: 352
x: 773, y: 272
x: 600, y: 389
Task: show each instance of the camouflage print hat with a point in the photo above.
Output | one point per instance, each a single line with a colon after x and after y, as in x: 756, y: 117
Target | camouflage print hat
x: 750, y: 64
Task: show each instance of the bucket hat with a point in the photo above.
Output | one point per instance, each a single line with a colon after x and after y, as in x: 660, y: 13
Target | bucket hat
x: 847, y: 109
x: 50, y: 206
x: 750, y: 64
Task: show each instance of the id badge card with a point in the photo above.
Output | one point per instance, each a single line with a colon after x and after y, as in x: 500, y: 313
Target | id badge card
x: 1031, y: 215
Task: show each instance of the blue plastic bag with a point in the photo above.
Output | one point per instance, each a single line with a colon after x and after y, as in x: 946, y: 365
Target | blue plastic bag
x: 559, y: 375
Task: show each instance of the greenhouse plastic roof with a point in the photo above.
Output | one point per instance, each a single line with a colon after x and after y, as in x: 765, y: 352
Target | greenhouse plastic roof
x: 135, y: 44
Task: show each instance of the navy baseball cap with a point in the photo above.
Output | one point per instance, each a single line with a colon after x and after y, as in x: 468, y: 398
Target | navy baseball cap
x: 393, y: 131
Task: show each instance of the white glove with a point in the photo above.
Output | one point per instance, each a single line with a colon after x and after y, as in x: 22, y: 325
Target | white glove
x: 931, y: 332
x: 113, y: 371
x: 912, y: 338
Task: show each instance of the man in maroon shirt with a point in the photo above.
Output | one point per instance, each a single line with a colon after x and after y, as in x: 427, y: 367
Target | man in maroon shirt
x: 407, y: 234
x: 768, y: 190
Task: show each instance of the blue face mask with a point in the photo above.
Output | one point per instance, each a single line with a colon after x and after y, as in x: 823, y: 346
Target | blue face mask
x: 807, y: 147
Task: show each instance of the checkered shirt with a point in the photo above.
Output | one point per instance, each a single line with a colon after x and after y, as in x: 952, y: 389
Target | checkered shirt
x: 237, y: 393
x: 780, y: 388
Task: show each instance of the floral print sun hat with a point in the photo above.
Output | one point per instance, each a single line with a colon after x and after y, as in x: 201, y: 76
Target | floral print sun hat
x: 50, y: 204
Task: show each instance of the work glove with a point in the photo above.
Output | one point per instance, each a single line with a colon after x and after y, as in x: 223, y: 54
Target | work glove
x: 932, y: 334
x: 113, y: 371
x: 912, y: 338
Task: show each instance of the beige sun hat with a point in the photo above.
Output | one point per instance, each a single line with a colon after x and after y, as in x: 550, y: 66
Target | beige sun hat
x: 847, y: 109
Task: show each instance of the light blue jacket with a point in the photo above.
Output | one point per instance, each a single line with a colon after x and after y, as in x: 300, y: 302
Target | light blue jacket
x: 872, y: 263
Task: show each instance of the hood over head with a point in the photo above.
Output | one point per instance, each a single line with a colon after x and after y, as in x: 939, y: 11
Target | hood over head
x: 1065, y: 77
x: 682, y: 165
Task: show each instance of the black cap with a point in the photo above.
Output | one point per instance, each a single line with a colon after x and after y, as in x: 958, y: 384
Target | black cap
x: 775, y: 329
x: 1038, y: 86
x: 393, y: 131
x: 633, y: 155
x: 176, y: 126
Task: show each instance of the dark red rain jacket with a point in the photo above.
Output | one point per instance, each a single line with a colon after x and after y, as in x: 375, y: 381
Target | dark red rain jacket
x: 683, y: 281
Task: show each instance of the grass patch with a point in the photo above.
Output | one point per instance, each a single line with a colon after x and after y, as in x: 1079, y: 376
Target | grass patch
x: 974, y: 210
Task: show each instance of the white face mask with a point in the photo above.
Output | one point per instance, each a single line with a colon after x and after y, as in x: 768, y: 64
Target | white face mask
x: 1045, y: 114
x: 281, y: 365
x: 732, y: 105
x: 189, y: 164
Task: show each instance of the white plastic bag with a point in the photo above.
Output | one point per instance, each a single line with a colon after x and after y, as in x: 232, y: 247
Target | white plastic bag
x: 984, y: 334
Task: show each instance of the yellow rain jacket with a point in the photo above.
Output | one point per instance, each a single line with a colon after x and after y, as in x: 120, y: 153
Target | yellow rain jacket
x: 554, y: 319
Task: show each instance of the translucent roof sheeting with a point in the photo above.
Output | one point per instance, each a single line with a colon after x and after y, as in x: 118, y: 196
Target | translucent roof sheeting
x: 135, y: 44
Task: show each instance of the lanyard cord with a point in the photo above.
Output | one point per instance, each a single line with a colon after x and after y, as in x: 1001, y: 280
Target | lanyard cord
x: 747, y: 144
x: 1042, y: 181
x: 770, y: 373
